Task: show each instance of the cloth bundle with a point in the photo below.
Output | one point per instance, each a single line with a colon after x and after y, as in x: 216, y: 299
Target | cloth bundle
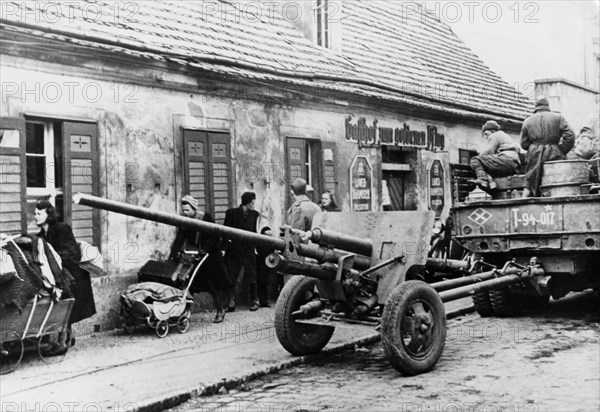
x: 38, y: 271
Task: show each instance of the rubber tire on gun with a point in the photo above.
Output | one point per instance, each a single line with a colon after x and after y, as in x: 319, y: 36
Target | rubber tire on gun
x: 298, y: 338
x: 504, y: 302
x: 413, y: 330
x: 482, y: 303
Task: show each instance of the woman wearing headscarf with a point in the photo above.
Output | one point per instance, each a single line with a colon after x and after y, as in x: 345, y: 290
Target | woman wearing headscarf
x: 60, y: 236
x: 212, y: 276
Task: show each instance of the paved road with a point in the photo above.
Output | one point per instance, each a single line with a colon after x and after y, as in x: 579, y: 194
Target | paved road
x: 546, y: 361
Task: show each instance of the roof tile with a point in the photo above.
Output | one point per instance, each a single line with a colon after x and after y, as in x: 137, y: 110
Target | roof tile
x: 412, y: 58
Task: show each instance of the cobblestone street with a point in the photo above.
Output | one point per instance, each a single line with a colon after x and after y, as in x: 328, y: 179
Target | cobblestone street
x: 535, y: 362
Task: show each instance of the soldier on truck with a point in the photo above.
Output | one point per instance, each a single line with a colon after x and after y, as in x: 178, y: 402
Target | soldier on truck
x: 498, y: 156
x: 546, y: 136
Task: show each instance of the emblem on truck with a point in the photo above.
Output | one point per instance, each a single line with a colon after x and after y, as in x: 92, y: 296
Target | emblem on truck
x: 480, y: 216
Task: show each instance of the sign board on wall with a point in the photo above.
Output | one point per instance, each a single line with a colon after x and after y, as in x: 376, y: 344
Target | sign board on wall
x: 436, y: 187
x: 361, y: 176
x: 375, y: 136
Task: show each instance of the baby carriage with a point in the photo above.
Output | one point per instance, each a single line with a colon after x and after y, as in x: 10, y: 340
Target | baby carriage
x: 158, y: 305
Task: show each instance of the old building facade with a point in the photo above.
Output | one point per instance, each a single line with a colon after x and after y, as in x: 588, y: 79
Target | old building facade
x: 148, y: 103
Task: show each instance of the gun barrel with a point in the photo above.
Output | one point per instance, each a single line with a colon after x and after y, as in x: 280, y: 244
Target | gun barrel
x: 362, y: 246
x: 211, y: 229
x: 268, y: 242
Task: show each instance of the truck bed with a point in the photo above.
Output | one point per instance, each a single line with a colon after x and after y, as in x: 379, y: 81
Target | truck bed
x: 557, y: 225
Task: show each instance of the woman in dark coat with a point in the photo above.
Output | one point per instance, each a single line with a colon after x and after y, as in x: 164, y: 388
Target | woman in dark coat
x: 212, y: 277
x: 60, y: 236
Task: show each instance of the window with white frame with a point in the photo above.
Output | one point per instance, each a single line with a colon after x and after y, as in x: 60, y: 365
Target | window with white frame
x: 48, y: 159
x: 44, y: 166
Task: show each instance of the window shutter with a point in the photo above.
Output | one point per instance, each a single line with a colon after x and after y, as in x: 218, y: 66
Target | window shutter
x: 221, y: 179
x: 296, y: 159
x: 207, y: 171
x: 13, y: 176
x: 330, y: 172
x: 296, y: 162
x: 81, y: 174
x: 195, y: 160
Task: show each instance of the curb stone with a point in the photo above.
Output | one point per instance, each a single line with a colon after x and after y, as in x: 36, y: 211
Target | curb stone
x: 171, y: 401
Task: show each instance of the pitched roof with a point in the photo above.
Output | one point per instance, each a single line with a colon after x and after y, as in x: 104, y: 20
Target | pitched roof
x: 418, y: 52
x: 382, y: 57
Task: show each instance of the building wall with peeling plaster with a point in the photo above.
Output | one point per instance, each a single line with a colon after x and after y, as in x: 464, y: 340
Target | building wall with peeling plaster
x: 140, y: 159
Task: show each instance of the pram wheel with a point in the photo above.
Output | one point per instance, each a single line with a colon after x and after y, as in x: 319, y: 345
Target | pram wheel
x: 183, y: 324
x: 151, y: 322
x: 52, y: 345
x: 162, y: 328
x: 11, y: 351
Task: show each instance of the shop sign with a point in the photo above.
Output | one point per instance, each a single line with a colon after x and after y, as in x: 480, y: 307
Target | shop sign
x: 436, y: 187
x: 361, y: 176
x: 374, y: 136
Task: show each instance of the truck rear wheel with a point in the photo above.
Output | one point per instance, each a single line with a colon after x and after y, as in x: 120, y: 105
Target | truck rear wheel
x: 299, y: 338
x: 413, y: 331
x: 504, y: 302
x: 483, y: 305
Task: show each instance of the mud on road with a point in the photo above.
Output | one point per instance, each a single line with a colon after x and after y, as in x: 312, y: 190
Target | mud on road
x: 542, y: 360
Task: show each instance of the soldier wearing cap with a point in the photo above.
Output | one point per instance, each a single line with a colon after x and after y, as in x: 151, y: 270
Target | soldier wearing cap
x: 546, y: 136
x: 498, y: 156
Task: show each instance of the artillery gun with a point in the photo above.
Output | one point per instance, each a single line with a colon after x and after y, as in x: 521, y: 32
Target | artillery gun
x: 358, y: 268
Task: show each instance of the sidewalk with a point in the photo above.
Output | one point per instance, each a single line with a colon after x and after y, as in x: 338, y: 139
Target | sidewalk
x: 118, y: 372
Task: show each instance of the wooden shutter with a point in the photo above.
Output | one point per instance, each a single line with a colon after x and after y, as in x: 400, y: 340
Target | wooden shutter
x: 13, y: 176
x: 207, y: 171
x: 296, y: 159
x: 81, y: 174
x: 220, y: 175
x: 330, y: 173
x: 296, y: 162
x: 195, y: 161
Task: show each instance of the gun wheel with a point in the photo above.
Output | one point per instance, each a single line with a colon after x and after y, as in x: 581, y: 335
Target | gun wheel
x: 413, y: 331
x: 504, y: 302
x: 298, y: 338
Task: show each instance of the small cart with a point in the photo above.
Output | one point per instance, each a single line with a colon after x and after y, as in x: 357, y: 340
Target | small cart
x: 40, y: 321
